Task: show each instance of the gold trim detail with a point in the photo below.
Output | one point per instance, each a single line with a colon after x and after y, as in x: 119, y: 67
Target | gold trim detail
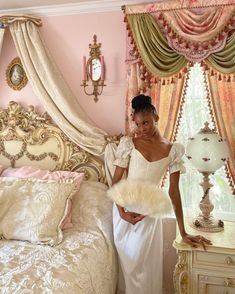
x: 181, y: 275
x: 15, y: 75
x: 6, y: 20
x: 30, y: 138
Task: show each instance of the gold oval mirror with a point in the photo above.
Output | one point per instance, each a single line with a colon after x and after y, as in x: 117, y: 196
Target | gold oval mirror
x: 95, y: 69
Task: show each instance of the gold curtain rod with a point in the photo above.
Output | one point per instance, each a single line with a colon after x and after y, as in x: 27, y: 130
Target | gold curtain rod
x: 9, y: 19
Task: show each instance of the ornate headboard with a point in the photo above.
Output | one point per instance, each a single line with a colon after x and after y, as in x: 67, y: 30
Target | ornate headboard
x: 29, y: 138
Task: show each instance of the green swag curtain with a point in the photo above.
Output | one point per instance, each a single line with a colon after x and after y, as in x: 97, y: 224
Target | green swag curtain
x: 156, y: 54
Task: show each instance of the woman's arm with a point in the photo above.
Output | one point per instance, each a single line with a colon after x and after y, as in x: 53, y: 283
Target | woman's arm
x: 174, y: 193
x: 128, y: 216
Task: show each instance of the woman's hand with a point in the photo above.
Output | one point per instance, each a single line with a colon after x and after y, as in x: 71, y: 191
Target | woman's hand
x: 196, y: 241
x: 131, y: 217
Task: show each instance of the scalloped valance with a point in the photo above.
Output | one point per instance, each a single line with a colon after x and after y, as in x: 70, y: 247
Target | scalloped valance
x: 175, y: 5
x: 192, y: 33
x: 166, y: 51
x: 197, y: 33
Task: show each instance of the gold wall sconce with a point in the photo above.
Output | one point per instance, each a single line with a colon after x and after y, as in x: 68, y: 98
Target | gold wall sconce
x: 94, y: 71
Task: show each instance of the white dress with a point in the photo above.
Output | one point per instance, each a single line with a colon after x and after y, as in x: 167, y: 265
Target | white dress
x: 140, y: 246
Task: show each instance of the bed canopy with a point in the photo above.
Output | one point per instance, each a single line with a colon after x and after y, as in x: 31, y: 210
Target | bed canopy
x: 52, y: 90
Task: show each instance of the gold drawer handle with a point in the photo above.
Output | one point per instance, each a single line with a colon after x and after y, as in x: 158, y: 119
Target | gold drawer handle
x: 228, y: 282
x: 228, y: 260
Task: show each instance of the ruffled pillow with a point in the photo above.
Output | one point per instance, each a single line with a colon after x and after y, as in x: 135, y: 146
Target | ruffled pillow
x: 142, y: 197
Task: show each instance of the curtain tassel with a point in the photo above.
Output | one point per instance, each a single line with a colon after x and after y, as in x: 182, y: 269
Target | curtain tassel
x: 212, y: 73
x: 220, y: 78
x: 172, y: 80
x: 229, y: 79
x: 163, y: 82
x: 160, y: 17
x: 180, y: 75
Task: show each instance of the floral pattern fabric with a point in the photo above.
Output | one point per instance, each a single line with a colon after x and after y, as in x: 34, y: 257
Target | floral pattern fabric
x: 84, y: 263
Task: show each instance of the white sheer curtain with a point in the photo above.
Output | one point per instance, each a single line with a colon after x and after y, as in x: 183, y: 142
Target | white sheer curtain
x: 52, y: 91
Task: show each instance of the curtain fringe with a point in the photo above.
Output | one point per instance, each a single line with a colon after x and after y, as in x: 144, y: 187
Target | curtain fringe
x: 195, y: 45
x: 219, y: 75
x: 230, y: 179
x: 181, y: 106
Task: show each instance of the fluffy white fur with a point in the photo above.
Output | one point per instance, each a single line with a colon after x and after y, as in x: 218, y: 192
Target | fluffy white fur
x: 142, y: 197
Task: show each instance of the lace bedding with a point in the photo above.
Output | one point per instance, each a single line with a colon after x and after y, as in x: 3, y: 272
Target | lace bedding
x: 85, y: 262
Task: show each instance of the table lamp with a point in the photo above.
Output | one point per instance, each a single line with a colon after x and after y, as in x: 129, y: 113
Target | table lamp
x: 207, y: 151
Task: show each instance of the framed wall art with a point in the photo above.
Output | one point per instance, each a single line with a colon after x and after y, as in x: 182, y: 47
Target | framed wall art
x: 15, y: 75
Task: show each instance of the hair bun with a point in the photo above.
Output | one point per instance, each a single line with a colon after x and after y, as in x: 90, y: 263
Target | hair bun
x: 140, y: 102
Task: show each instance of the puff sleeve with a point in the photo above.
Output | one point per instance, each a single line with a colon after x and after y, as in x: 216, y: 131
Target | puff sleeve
x: 123, y: 152
x: 177, y: 164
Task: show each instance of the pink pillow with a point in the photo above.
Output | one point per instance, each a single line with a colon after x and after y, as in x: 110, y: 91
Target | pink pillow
x: 26, y: 172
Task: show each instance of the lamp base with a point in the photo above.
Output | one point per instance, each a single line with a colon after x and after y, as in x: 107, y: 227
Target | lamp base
x: 209, y: 224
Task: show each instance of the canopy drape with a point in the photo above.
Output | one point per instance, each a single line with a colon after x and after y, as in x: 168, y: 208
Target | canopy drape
x: 52, y: 90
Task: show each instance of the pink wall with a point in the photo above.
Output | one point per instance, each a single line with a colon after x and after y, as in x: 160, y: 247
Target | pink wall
x: 68, y: 38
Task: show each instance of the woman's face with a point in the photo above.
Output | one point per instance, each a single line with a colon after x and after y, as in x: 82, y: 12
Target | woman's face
x: 146, y: 124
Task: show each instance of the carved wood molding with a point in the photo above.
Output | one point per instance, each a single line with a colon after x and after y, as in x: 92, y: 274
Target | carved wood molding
x: 30, y: 132
x: 181, y: 274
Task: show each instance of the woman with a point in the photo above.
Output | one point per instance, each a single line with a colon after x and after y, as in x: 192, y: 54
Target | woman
x: 138, y: 239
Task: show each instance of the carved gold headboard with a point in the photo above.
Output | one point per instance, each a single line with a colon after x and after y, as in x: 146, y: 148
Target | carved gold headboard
x: 28, y: 138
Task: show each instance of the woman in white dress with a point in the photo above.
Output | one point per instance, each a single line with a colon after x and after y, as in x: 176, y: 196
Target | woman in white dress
x: 138, y: 238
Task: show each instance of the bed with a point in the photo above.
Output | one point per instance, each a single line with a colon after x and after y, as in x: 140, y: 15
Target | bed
x: 84, y: 261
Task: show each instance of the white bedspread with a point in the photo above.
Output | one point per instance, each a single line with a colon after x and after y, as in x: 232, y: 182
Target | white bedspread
x: 85, y: 262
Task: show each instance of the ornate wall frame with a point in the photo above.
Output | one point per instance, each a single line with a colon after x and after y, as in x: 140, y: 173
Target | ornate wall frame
x: 15, y: 75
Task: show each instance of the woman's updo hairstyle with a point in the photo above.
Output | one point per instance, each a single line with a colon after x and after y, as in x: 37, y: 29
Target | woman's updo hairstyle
x: 142, y: 103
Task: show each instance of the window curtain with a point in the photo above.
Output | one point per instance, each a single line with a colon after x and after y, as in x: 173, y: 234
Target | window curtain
x: 219, y: 67
x: 223, y: 104
x: 162, y: 45
x: 51, y: 89
x: 166, y: 39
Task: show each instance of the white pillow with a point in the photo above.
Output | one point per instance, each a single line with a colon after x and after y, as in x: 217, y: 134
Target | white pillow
x: 143, y: 197
x: 34, y: 209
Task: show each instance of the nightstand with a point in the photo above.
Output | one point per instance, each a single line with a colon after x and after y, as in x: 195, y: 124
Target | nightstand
x: 206, y: 272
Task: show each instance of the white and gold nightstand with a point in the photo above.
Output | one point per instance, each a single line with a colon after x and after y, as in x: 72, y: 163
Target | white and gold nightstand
x: 206, y: 272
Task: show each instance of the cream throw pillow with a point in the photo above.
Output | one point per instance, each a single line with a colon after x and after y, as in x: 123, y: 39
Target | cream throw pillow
x: 34, y: 209
x: 142, y: 197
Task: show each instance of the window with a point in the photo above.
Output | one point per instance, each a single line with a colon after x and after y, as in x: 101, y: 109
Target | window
x: 195, y: 114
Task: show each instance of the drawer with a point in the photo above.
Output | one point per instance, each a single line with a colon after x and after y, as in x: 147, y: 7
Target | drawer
x: 212, y: 283
x: 213, y: 289
x: 214, y: 259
